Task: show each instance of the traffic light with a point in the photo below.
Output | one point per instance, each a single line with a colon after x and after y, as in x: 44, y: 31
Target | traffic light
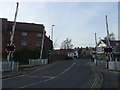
x: 108, y: 50
x: 10, y: 48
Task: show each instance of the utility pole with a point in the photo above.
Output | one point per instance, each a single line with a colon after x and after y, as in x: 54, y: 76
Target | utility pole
x: 42, y: 44
x: 13, y: 31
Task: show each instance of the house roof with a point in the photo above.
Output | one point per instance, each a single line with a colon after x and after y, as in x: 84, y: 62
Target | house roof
x: 102, y: 44
x: 112, y: 42
x: 21, y: 26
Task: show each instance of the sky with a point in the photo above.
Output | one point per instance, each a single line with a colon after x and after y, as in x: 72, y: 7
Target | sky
x: 78, y: 21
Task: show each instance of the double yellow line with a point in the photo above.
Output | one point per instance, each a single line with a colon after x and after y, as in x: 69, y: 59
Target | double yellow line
x: 97, y: 77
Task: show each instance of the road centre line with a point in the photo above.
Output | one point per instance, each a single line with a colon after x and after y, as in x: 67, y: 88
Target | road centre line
x: 37, y: 76
x: 49, y: 78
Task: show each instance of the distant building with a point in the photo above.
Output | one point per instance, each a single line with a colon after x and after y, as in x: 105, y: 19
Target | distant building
x: 68, y: 52
x: 27, y: 35
x: 115, y: 44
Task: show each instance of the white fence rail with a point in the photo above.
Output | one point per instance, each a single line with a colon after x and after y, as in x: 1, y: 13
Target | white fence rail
x: 38, y: 61
x: 8, y: 66
x: 112, y: 65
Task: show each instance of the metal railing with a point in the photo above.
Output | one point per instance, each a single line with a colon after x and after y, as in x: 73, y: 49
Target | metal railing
x: 112, y: 65
x: 38, y: 61
x: 8, y: 66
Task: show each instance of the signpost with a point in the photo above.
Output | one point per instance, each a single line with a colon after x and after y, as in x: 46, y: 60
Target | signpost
x: 10, y: 48
x: 108, y: 50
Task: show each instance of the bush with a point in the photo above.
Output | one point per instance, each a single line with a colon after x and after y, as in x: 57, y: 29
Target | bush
x: 24, y: 55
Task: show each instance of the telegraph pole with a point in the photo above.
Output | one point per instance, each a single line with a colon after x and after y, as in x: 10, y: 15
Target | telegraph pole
x: 13, y: 31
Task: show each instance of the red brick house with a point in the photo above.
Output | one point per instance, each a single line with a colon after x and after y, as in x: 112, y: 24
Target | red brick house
x: 27, y: 35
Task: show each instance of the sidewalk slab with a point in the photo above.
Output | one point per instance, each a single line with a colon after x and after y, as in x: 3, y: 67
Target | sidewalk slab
x: 111, y: 79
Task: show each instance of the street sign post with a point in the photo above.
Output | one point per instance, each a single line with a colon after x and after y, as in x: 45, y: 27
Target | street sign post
x: 108, y: 50
x: 10, y: 48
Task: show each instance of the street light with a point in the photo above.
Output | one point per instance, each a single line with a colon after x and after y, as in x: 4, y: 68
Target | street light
x: 52, y: 33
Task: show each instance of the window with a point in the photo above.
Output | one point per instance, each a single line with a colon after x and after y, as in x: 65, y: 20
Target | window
x: 24, y: 43
x: 10, y: 32
x: 38, y: 44
x: 117, y: 44
x: 24, y: 33
x: 39, y: 35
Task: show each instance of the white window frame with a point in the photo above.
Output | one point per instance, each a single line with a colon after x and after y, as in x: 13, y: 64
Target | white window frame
x: 10, y: 32
x: 39, y: 44
x: 24, y: 33
x: 24, y: 43
x: 38, y: 35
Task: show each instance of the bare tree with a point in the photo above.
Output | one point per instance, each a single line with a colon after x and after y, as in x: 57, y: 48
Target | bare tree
x: 67, y: 44
x: 55, y: 43
x: 111, y: 36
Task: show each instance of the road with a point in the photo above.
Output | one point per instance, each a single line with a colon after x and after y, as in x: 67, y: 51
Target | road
x: 62, y: 74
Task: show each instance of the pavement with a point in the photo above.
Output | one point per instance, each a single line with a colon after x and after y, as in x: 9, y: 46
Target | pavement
x: 23, y: 71
x: 111, y: 79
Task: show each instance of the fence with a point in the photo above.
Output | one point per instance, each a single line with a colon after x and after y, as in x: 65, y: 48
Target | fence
x: 112, y: 65
x: 8, y: 66
x: 38, y: 61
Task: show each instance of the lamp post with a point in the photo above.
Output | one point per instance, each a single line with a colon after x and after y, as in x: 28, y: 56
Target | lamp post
x: 52, y: 33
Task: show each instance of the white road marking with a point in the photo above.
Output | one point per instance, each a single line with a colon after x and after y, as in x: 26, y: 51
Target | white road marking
x: 37, y: 76
x: 49, y: 78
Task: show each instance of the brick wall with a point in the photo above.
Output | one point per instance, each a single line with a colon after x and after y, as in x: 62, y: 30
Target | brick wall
x: 31, y: 38
x: 56, y: 57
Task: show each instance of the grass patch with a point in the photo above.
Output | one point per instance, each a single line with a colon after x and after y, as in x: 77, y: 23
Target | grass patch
x: 25, y: 66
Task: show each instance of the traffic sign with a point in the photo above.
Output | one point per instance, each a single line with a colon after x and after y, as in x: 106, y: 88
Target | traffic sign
x: 108, y: 50
x: 10, y: 48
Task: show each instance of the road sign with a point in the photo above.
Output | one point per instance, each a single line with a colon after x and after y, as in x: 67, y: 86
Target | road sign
x: 108, y: 50
x: 10, y: 48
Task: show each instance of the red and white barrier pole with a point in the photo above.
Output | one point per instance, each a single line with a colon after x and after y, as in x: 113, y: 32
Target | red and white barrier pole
x: 13, y: 31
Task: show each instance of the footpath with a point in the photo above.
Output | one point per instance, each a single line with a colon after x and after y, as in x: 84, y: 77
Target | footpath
x: 24, y: 71
x: 111, y: 79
